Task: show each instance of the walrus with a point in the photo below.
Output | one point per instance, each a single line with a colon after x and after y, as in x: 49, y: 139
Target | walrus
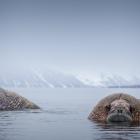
x: 119, y: 107
x: 10, y: 101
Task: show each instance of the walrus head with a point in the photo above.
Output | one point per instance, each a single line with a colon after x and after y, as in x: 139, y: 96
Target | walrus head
x: 119, y: 111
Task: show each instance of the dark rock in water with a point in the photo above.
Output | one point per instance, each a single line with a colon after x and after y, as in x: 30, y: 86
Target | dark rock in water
x: 118, y: 107
x: 11, y: 101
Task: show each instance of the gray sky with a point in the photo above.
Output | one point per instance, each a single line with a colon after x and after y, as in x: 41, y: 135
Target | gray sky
x: 86, y: 37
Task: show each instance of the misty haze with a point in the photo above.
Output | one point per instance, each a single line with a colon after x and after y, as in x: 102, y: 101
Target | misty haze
x: 58, y: 59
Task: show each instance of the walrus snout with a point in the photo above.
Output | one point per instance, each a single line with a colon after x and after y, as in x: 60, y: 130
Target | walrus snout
x: 119, y: 115
x: 120, y: 111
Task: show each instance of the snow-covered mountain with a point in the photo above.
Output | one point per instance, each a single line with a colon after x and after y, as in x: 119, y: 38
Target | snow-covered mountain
x: 121, y: 82
x: 114, y: 81
x: 48, y: 78
x: 54, y: 79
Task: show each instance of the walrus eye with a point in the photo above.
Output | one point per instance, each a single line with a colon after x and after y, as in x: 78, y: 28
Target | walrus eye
x: 132, y: 109
x: 107, y: 107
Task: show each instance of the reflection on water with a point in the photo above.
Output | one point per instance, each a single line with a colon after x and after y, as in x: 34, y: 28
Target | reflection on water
x: 63, y: 117
x: 116, y: 131
x: 5, y: 124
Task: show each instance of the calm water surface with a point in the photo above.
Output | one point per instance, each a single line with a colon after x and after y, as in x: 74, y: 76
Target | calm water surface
x: 63, y: 117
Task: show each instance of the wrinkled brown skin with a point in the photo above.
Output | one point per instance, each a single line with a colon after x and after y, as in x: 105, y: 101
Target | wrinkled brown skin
x: 10, y: 101
x: 100, y: 112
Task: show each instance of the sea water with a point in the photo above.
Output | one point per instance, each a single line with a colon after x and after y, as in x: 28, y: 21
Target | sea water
x: 63, y: 116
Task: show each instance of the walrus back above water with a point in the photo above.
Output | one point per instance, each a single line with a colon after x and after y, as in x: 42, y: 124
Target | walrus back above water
x: 117, y: 107
x: 11, y: 101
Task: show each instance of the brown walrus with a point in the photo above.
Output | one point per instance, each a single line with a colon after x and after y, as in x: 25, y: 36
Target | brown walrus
x: 117, y: 107
x: 10, y: 101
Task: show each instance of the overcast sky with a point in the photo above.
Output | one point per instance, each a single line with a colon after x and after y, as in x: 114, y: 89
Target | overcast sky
x: 86, y: 37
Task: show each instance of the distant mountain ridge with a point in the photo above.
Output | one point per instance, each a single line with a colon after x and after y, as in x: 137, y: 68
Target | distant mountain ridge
x: 48, y: 79
x: 120, y: 82
x: 114, y: 81
x: 55, y: 79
